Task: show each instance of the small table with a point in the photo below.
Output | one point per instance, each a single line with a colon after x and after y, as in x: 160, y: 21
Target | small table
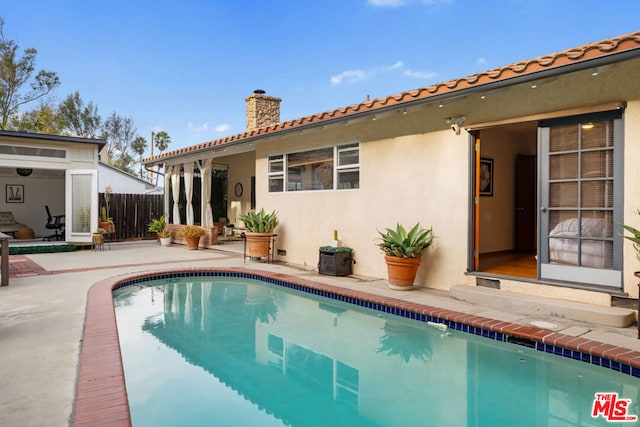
x: 98, y: 242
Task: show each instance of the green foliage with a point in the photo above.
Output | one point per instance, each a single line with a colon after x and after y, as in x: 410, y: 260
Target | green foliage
x: 161, y: 140
x: 77, y: 119
x: 260, y: 222
x: 157, y: 225
x: 403, y: 244
x: 41, y: 120
x: 16, y: 72
x: 634, y: 237
x: 190, y: 231
x: 165, y: 234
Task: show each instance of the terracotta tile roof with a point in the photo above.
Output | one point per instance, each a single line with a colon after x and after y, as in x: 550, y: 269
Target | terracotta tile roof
x: 590, y: 51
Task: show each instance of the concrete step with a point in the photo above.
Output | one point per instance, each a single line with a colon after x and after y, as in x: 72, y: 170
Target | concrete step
x: 608, y: 316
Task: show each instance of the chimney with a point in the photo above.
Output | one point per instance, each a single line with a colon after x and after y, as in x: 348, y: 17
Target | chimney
x: 262, y: 110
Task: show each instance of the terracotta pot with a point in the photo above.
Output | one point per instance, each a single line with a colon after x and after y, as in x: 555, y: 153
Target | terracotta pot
x: 258, y: 244
x: 107, y: 226
x: 402, y: 271
x: 192, y: 242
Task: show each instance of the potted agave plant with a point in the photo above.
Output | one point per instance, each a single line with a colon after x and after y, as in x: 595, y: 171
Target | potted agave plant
x: 403, y: 253
x: 260, y: 226
x: 191, y: 235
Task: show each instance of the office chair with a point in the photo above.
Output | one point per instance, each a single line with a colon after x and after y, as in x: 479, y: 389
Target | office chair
x: 56, y: 223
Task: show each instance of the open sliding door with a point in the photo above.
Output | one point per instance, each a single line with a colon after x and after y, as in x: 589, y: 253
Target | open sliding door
x: 580, y: 197
x: 81, y: 207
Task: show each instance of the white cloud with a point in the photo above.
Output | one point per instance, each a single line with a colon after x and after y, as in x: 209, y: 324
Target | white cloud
x: 198, y: 129
x: 482, y: 61
x: 395, y: 66
x: 351, y: 76
x: 419, y: 74
x: 222, y: 127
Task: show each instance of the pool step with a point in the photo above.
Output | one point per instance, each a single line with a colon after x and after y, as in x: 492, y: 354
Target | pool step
x: 607, y: 316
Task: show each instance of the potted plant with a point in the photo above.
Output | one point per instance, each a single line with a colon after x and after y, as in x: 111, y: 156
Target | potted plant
x: 260, y: 226
x: 191, y: 235
x: 105, y: 222
x: 98, y: 237
x: 156, y: 225
x: 403, y: 253
x: 165, y: 237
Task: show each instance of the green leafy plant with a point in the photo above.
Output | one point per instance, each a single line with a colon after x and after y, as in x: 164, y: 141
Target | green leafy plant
x: 403, y: 244
x: 100, y: 231
x: 190, y: 232
x: 260, y: 222
x: 165, y: 234
x: 157, y: 225
x: 634, y: 237
x: 104, y: 217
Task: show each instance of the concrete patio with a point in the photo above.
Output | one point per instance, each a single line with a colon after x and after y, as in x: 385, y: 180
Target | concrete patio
x: 42, y: 315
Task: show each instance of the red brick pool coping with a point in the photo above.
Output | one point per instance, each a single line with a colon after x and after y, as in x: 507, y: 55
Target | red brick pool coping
x: 101, y: 394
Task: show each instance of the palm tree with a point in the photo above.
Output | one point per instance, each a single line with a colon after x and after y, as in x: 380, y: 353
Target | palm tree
x: 139, y: 145
x: 161, y: 140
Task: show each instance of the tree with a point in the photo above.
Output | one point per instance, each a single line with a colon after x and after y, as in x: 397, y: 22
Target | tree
x: 15, y: 72
x: 162, y: 140
x: 41, y: 120
x: 139, y: 145
x: 120, y: 133
x: 78, y: 119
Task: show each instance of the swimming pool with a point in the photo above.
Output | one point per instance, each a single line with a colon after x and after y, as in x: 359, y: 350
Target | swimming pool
x: 245, y: 351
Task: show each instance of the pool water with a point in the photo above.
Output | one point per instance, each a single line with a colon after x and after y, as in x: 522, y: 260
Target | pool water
x: 209, y: 351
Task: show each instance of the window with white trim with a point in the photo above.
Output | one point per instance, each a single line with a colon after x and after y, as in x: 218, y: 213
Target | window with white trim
x: 331, y: 168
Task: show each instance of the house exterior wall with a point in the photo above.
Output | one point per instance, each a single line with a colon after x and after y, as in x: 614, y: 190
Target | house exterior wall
x: 401, y: 179
x: 413, y: 168
x: 240, y: 170
x: 632, y: 191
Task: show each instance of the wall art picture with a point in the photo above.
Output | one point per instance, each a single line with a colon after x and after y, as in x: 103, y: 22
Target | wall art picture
x: 15, y: 193
x: 486, y: 177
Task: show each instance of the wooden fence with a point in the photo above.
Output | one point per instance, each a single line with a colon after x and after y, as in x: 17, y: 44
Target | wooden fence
x: 132, y: 212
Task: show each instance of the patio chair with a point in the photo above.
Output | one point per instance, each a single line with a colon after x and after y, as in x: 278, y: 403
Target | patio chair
x: 56, y: 223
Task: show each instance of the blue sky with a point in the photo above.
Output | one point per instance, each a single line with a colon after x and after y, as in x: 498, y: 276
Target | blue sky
x: 185, y: 66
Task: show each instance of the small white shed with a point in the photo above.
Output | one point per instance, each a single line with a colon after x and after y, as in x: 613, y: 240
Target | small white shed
x: 38, y: 170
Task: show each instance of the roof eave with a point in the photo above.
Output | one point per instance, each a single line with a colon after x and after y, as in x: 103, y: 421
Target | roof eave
x: 526, y: 77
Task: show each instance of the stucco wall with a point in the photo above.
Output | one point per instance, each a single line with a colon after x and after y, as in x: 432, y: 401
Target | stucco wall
x: 414, y: 178
x: 413, y: 168
x: 632, y: 191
